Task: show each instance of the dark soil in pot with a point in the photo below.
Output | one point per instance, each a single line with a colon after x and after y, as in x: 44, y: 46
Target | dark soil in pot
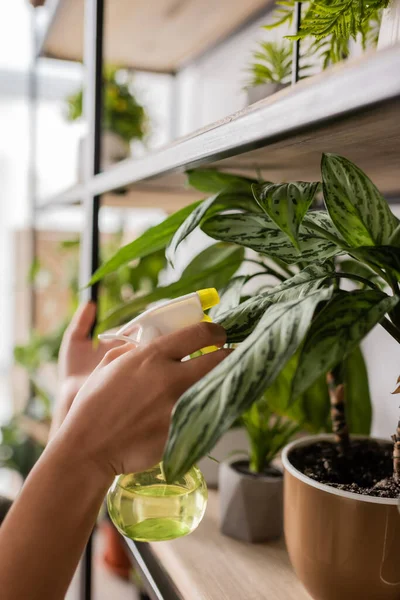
x: 366, y: 469
x: 242, y: 466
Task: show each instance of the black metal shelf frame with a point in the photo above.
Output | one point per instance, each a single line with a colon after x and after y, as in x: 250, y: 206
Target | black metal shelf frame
x: 93, y: 63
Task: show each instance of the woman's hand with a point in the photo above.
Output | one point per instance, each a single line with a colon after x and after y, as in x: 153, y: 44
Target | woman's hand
x: 79, y: 356
x: 120, y: 417
x: 118, y: 423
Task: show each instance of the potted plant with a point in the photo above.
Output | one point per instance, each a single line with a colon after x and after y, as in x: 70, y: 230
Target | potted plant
x: 251, y: 490
x: 341, y: 495
x: 270, y: 70
x: 124, y: 118
x: 345, y: 502
x: 330, y: 25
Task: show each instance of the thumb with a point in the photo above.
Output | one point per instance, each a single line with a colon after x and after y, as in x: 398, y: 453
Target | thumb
x: 82, y: 322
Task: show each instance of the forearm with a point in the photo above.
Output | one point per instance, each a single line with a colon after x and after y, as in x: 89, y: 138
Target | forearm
x: 44, y: 534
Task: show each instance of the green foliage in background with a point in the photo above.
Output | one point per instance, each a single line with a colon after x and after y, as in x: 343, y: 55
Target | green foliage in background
x: 331, y: 24
x: 267, y: 433
x: 271, y: 63
x: 122, y: 113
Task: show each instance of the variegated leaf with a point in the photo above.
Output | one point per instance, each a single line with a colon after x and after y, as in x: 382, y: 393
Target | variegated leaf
x: 339, y: 328
x: 230, y: 296
x: 286, y: 204
x: 213, y: 267
x: 240, y: 198
x: 209, y: 407
x: 261, y: 234
x: 385, y: 257
x: 358, y: 210
x: 239, y: 322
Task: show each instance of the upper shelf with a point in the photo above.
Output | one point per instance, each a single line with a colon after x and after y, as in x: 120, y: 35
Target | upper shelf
x: 352, y: 109
x: 153, y: 36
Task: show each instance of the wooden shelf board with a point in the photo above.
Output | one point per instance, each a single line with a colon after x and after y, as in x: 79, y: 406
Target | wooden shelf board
x: 153, y: 36
x: 207, y: 565
x: 353, y: 110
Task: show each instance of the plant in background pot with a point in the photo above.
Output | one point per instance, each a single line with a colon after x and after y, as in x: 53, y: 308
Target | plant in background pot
x: 124, y: 118
x: 251, y: 491
x: 270, y: 70
x: 330, y: 25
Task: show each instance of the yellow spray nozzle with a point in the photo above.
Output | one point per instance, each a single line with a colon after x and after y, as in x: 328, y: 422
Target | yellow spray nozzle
x: 208, y: 298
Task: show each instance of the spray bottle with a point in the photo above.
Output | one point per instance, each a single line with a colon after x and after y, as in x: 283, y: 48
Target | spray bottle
x: 143, y: 506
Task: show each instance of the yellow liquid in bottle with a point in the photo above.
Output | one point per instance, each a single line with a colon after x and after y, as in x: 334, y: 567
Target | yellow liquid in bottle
x: 145, y: 508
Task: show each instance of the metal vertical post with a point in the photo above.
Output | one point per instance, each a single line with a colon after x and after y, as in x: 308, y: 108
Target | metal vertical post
x: 32, y: 94
x: 296, y: 45
x: 89, y: 258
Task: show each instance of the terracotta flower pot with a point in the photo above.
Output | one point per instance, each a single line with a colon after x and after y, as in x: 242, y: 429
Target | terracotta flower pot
x: 115, y: 557
x: 342, y: 545
x: 251, y: 506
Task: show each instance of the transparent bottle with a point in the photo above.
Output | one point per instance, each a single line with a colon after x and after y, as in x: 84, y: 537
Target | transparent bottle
x: 145, y: 508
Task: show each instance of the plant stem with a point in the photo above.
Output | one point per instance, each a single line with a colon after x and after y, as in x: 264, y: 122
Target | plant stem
x: 338, y: 413
x: 268, y: 270
x: 256, y: 262
x: 356, y: 278
x: 392, y: 329
x: 396, y: 453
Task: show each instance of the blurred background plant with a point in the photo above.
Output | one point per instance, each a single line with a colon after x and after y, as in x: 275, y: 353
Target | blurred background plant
x: 272, y: 63
x: 122, y: 113
x: 331, y: 25
x: 268, y: 433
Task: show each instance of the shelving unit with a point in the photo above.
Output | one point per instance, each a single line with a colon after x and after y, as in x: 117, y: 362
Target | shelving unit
x: 352, y: 109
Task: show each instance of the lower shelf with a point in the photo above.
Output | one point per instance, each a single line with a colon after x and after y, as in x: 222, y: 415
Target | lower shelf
x: 209, y: 566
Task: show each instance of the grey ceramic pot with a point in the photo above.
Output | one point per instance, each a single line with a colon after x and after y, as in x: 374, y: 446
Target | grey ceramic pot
x: 259, y: 92
x: 251, y: 506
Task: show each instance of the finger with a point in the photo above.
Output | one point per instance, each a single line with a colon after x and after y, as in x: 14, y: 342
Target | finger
x: 197, y: 368
x: 82, y: 321
x: 181, y: 343
x: 115, y: 353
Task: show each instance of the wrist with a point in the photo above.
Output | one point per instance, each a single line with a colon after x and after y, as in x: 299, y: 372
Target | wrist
x: 71, y: 456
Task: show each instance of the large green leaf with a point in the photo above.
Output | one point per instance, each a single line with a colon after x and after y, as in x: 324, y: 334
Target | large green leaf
x: 337, y: 330
x: 229, y: 199
x: 211, y: 181
x: 357, y: 396
x: 384, y: 257
x: 213, y: 267
x: 358, y: 210
x: 239, y: 322
x: 153, y: 239
x: 286, y: 204
x: 209, y: 407
x: 261, y: 234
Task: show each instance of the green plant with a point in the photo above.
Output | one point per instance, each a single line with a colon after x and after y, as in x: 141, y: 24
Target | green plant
x: 268, y: 434
x: 122, y: 113
x: 331, y: 24
x: 272, y: 63
x: 299, y: 298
